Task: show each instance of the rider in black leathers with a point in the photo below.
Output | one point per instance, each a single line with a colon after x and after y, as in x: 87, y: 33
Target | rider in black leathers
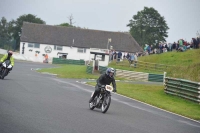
x: 104, y: 79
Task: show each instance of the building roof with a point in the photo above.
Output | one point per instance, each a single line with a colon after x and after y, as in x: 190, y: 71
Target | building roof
x: 77, y: 37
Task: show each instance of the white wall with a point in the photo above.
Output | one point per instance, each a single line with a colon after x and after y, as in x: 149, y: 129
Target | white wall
x: 104, y: 63
x: 72, y: 53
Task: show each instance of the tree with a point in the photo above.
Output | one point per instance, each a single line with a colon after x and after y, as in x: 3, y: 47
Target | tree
x: 6, y: 33
x: 4, y: 29
x: 70, y: 24
x: 19, y: 22
x: 66, y: 24
x: 71, y: 19
x: 148, y: 26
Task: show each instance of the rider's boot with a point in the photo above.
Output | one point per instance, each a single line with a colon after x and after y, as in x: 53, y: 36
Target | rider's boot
x: 92, y: 98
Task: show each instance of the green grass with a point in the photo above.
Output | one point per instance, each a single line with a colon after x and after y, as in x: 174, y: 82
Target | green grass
x: 73, y: 71
x: 154, y: 95
x: 185, y: 65
x: 70, y: 71
x: 174, y: 58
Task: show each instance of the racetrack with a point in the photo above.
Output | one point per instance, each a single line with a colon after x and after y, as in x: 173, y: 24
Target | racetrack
x: 31, y: 102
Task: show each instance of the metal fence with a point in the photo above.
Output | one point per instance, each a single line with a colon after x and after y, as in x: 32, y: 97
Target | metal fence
x: 102, y: 69
x: 131, y: 75
x: 89, y: 69
x: 155, y: 77
x: 67, y: 61
x: 183, y: 88
x: 145, y: 65
x: 150, y: 66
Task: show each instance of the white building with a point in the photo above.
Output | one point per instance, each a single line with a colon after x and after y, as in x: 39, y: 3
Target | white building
x: 72, y: 43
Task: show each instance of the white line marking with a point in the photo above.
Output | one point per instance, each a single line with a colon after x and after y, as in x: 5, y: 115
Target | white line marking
x: 157, y: 107
x: 188, y: 123
x: 128, y: 103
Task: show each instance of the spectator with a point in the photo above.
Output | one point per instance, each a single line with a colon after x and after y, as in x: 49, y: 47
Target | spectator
x: 165, y: 48
x: 180, y: 42
x: 177, y: 46
x: 192, y: 44
x: 155, y: 51
x: 135, y: 60
x: 169, y: 47
x: 195, y: 43
x: 174, y: 46
x: 127, y: 56
x: 132, y: 58
x: 119, y: 56
x: 145, y: 48
x: 124, y: 57
x: 188, y: 45
x: 161, y: 47
x: 148, y: 49
x: 182, y: 49
x: 198, y: 42
x: 114, y: 54
x: 46, y: 58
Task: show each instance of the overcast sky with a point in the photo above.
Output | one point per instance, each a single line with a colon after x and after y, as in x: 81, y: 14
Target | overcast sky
x: 182, y: 16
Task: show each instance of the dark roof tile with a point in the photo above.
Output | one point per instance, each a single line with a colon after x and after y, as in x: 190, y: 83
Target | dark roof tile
x: 64, y: 36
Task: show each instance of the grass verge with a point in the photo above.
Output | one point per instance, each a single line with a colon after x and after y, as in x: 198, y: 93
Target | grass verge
x: 154, y: 95
x: 70, y: 71
x: 185, y: 65
x: 73, y: 71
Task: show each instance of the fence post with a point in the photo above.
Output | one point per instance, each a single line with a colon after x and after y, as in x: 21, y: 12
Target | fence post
x: 164, y: 77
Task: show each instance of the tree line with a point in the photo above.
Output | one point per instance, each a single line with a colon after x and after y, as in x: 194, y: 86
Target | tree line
x: 10, y: 31
x: 146, y: 27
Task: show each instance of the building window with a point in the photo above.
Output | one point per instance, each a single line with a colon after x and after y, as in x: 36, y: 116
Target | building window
x: 36, y: 45
x: 33, y: 45
x: 81, y: 50
x: 100, y: 57
x: 58, y: 48
x: 30, y: 45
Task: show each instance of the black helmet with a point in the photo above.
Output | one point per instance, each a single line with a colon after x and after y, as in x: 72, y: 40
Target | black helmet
x: 10, y: 53
x: 110, y: 70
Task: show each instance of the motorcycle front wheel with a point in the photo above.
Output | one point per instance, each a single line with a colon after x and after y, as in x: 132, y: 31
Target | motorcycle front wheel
x: 91, y: 105
x: 106, y: 103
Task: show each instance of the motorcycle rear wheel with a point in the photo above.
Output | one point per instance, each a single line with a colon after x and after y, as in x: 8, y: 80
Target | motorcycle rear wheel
x: 3, y: 73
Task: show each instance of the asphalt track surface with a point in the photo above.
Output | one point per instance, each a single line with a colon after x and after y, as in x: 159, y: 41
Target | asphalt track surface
x: 31, y: 102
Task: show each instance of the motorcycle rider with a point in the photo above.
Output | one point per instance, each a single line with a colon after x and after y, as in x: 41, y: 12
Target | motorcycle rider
x: 103, y: 80
x: 8, y: 57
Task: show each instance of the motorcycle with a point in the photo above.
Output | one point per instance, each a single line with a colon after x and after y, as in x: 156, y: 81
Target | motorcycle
x: 103, y: 100
x: 4, y: 68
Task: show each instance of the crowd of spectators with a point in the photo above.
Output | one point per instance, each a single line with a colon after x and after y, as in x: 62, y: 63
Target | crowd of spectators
x: 119, y: 56
x: 181, y: 45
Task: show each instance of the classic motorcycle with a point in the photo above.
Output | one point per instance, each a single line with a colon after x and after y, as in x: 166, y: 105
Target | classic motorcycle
x: 103, y: 100
x: 4, y: 68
